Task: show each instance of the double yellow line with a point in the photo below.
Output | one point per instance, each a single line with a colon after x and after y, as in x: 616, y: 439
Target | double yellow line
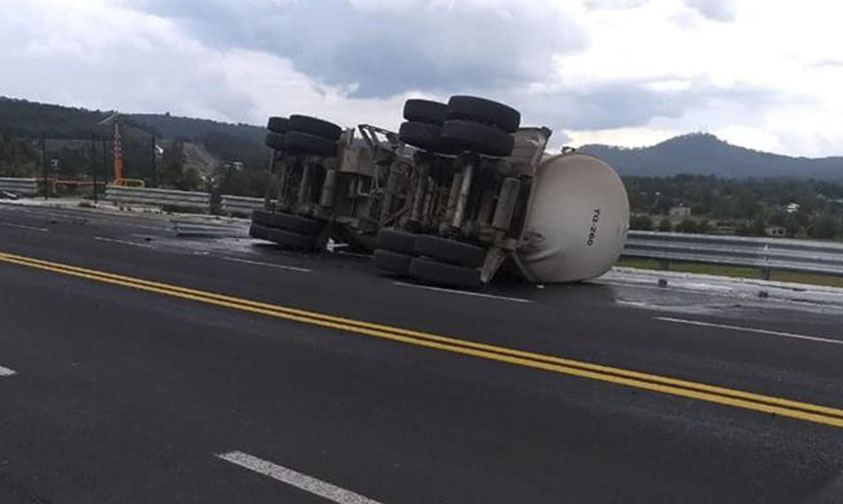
x: 619, y: 376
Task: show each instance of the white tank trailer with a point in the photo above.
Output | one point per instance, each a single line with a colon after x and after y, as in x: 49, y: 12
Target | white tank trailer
x: 578, y: 219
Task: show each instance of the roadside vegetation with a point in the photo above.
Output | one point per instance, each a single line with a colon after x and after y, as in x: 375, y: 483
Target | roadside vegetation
x: 76, y: 145
x: 788, y: 207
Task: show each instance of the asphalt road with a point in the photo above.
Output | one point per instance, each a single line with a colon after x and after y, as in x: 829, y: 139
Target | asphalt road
x: 116, y: 390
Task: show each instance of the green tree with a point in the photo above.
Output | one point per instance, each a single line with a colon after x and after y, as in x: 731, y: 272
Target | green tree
x: 173, y: 165
x: 759, y: 227
x: 641, y: 222
x: 190, y: 180
x: 18, y: 157
x: 687, y: 226
x: 778, y: 219
x: 827, y: 227
x: 802, y: 220
x: 665, y: 226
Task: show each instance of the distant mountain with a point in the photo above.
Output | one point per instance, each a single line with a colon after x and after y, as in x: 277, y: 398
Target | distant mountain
x: 208, y: 144
x: 705, y: 154
x: 169, y: 126
x: 698, y: 154
x: 34, y: 120
x: 30, y: 119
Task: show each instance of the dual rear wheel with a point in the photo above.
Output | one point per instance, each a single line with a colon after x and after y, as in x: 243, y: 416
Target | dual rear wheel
x: 303, y: 135
x: 465, y: 123
x: 429, y: 259
x: 289, y: 231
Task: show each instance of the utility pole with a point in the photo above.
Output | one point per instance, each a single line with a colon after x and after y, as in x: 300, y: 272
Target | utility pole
x: 105, y: 160
x: 94, y: 165
x: 118, y: 156
x: 154, y: 160
x: 44, y: 166
x: 117, y: 146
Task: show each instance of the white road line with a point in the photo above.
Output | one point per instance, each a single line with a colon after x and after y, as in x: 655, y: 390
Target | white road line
x: 21, y: 226
x: 122, y: 242
x: 120, y: 222
x: 7, y: 372
x: 637, y: 304
x: 268, y: 265
x: 751, y: 329
x: 301, y: 481
x: 464, y: 293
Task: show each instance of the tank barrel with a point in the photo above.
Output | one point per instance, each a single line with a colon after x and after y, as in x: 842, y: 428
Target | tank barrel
x: 578, y: 221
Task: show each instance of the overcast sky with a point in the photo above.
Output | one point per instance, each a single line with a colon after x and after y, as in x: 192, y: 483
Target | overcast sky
x: 766, y: 74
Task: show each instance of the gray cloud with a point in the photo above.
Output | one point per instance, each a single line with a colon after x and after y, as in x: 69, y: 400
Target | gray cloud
x: 631, y: 104
x: 717, y: 10
x: 391, y: 48
x: 411, y: 46
x: 114, y: 55
x: 828, y: 63
x: 613, y: 4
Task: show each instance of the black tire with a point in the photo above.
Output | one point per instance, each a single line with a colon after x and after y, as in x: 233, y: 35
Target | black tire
x: 477, y: 137
x: 425, y: 111
x: 392, y: 261
x: 422, y: 135
x: 261, y: 217
x: 486, y: 111
x: 297, y: 142
x: 258, y: 231
x: 450, y: 251
x: 396, y: 241
x: 288, y: 222
x: 439, y: 273
x: 275, y: 141
x: 315, y: 126
x: 278, y: 124
x: 292, y: 241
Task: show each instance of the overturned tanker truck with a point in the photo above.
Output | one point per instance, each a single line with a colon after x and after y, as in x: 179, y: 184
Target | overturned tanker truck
x: 308, y: 169
x: 461, y: 192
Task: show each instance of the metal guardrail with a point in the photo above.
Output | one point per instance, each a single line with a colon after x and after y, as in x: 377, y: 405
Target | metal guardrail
x: 23, y: 186
x: 232, y: 205
x: 159, y: 197
x: 209, y: 228
x: 240, y: 205
x: 766, y: 254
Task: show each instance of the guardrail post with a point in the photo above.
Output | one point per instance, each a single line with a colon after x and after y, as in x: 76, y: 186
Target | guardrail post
x: 154, y: 163
x: 765, y: 273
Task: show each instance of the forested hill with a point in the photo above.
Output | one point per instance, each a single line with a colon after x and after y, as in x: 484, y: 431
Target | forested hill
x: 29, y: 119
x: 194, y: 149
x: 704, y: 154
x: 187, y: 127
x: 697, y: 154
